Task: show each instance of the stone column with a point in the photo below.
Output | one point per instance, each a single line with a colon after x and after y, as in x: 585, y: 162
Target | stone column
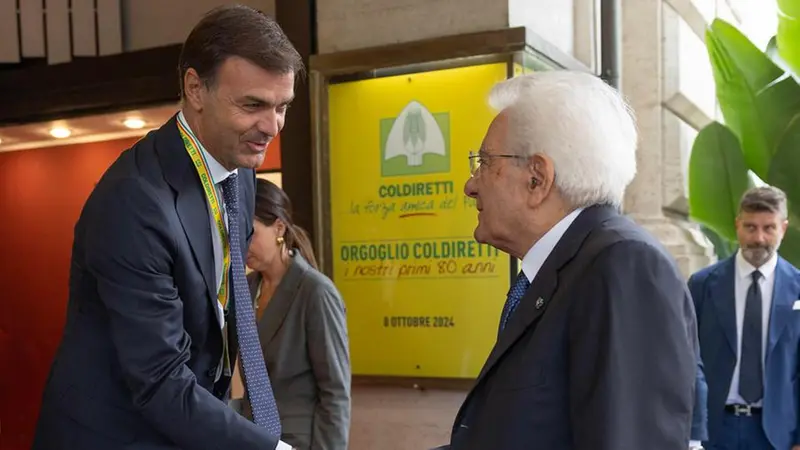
x: 650, y: 65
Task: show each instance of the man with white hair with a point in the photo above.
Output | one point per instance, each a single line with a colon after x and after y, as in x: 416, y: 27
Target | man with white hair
x: 596, y: 347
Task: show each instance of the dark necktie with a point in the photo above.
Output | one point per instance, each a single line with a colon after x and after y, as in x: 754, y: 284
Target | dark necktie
x: 515, y: 294
x: 750, y: 372
x: 256, y: 379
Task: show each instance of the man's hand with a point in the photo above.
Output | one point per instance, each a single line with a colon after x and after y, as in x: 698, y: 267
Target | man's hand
x: 796, y: 447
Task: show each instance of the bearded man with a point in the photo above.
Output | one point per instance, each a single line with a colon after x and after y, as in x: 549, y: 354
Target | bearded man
x: 748, y: 318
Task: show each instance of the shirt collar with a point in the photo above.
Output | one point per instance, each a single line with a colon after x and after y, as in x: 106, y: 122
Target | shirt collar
x: 538, y: 254
x: 217, y: 171
x: 744, y: 269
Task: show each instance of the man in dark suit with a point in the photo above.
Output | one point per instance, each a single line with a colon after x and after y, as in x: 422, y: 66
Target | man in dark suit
x: 749, y: 329
x: 159, y: 303
x: 596, y: 347
x: 699, y: 432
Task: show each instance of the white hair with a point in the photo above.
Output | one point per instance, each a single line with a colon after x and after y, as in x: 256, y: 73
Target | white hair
x: 581, y: 123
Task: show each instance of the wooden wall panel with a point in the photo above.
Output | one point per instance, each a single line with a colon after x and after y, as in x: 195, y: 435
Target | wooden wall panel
x: 59, y: 47
x: 84, y: 28
x: 32, y: 23
x: 9, y: 32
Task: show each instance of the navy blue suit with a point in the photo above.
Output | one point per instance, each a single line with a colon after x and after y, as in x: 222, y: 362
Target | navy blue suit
x: 700, y: 413
x: 600, y: 354
x: 137, y: 361
x: 713, y: 293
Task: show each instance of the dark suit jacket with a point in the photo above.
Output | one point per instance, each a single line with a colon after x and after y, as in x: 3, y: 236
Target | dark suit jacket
x: 713, y: 291
x: 700, y: 413
x: 303, y: 332
x: 604, y: 361
x: 141, y: 344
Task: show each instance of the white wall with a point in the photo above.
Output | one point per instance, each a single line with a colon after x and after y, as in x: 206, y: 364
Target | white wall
x: 156, y: 23
x: 695, y: 77
x: 352, y: 24
x: 550, y: 19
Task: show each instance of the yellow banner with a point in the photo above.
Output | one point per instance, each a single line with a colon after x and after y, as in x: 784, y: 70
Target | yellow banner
x: 423, y: 298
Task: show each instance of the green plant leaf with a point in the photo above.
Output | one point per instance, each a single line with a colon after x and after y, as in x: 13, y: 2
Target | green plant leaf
x: 784, y: 172
x: 774, y: 55
x: 772, y: 48
x: 788, y: 36
x: 717, y: 179
x: 756, y: 97
x: 790, y: 247
x: 723, y: 248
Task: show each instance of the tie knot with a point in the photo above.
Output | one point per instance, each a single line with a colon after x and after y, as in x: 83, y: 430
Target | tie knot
x: 230, y: 181
x: 230, y: 188
x: 520, y: 285
x: 756, y: 276
x: 522, y: 279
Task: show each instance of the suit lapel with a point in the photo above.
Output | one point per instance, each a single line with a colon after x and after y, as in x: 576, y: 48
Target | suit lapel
x: 282, y: 299
x: 544, y: 285
x: 527, y: 312
x: 190, y: 201
x: 723, y: 294
x: 783, y: 296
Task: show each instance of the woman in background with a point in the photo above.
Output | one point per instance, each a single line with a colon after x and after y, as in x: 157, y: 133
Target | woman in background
x: 302, y: 328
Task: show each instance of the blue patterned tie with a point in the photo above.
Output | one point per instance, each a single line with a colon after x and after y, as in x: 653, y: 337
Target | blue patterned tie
x: 515, y: 294
x: 256, y: 379
x: 751, y: 384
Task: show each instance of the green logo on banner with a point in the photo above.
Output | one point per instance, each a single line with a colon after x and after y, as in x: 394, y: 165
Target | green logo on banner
x: 415, y: 142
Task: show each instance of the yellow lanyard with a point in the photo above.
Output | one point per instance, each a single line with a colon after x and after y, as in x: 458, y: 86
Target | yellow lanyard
x: 211, y: 195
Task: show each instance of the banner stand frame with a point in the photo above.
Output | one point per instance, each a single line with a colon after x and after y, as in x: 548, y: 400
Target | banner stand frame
x: 516, y: 47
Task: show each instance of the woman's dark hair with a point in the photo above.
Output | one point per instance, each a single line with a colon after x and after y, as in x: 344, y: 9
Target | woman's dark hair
x: 237, y: 30
x: 273, y: 204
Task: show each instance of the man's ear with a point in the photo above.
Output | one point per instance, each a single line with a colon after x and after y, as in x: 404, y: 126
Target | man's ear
x: 541, y: 171
x: 541, y: 178
x: 194, y: 89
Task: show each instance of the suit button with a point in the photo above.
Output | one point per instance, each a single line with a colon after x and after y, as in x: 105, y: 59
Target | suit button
x: 212, y: 372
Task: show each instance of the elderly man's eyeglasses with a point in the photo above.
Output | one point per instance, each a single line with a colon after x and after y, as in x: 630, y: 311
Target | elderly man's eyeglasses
x: 476, y: 160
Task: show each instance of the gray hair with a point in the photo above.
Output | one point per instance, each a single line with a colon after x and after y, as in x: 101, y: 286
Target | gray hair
x: 581, y: 123
x: 764, y: 199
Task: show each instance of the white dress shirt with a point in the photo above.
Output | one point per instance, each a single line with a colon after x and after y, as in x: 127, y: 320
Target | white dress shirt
x: 219, y: 174
x: 537, y: 255
x: 744, y: 279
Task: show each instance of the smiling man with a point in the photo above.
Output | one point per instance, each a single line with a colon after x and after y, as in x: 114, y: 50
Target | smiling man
x: 159, y: 305
x: 596, y: 343
x: 749, y: 328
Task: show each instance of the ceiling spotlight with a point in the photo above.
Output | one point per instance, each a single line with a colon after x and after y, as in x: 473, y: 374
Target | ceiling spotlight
x: 134, y: 123
x: 60, y: 132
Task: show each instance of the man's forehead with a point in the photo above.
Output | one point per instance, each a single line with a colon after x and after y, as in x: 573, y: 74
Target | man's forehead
x: 266, y: 95
x: 495, y: 135
x: 758, y: 216
x: 242, y: 73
